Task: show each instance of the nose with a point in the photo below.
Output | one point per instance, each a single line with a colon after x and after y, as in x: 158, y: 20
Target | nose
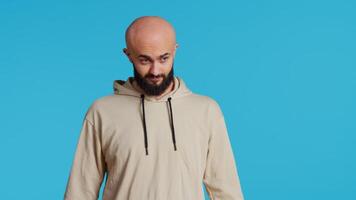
x: 154, y: 69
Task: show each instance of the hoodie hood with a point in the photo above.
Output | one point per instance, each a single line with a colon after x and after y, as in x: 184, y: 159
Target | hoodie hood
x: 122, y: 87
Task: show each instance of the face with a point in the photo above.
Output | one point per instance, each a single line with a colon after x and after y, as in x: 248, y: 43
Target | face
x: 153, y: 65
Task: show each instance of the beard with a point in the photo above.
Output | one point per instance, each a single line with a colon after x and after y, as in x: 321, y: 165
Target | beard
x: 151, y: 89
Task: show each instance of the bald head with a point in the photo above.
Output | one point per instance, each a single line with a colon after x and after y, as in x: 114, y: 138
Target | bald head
x: 149, y: 31
x: 151, y: 47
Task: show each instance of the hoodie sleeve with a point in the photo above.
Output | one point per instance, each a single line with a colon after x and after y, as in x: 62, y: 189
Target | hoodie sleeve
x: 220, y: 177
x: 88, y: 168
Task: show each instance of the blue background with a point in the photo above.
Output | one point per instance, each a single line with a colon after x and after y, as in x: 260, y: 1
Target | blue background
x: 283, y: 72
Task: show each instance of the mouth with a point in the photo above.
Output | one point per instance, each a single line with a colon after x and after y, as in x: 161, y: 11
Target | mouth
x: 154, y: 79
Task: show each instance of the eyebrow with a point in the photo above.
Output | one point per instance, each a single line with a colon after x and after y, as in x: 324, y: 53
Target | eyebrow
x: 148, y: 57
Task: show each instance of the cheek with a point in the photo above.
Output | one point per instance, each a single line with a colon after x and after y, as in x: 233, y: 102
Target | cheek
x: 141, y: 69
x: 167, y: 67
x: 167, y: 70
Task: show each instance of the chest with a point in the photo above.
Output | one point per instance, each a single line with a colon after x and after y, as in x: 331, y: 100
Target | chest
x: 124, y: 138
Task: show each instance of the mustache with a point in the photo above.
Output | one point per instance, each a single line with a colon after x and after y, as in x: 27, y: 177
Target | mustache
x: 155, y: 76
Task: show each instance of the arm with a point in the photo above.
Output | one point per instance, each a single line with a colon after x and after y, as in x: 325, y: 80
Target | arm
x: 88, y: 168
x: 220, y: 178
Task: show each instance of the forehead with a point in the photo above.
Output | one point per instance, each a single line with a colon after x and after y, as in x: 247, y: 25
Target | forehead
x: 152, y: 47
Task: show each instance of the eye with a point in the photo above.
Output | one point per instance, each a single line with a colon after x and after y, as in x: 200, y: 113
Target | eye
x: 164, y: 59
x: 144, y: 61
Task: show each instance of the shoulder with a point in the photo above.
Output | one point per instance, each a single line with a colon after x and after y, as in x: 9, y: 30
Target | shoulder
x: 113, y: 101
x: 101, y: 105
x: 203, y: 99
x: 207, y: 103
x: 101, y: 102
x: 206, y: 100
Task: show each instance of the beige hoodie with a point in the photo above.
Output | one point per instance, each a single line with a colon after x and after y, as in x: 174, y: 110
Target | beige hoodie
x: 151, y: 149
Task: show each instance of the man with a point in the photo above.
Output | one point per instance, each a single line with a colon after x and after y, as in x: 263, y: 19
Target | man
x: 155, y: 139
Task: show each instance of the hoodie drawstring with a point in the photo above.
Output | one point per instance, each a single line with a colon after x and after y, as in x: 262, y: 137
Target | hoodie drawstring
x: 172, y: 124
x: 144, y: 123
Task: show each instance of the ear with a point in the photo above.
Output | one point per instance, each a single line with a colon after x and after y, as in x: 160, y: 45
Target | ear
x: 126, y: 52
x: 175, y: 49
